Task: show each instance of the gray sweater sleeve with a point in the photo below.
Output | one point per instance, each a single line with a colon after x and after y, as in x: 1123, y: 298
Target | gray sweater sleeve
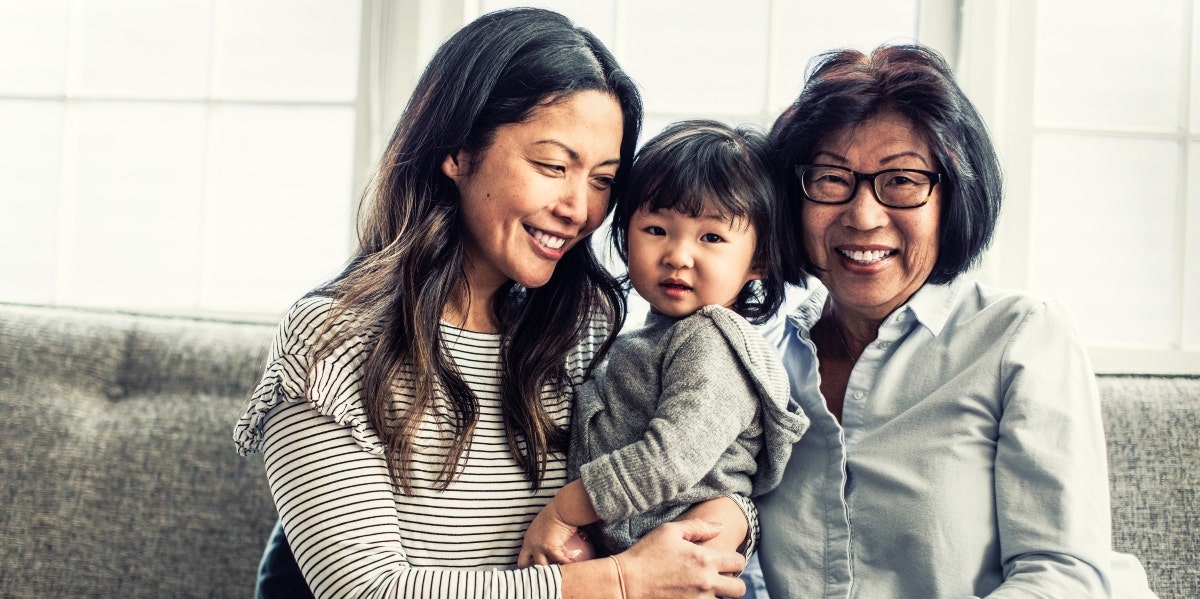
x: 706, y: 402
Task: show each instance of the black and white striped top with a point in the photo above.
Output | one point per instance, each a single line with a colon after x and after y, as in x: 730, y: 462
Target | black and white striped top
x: 351, y: 533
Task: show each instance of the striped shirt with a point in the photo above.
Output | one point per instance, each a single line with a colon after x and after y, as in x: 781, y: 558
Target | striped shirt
x: 352, y: 534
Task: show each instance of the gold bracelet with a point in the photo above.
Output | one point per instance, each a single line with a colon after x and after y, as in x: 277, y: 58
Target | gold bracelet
x: 620, y: 576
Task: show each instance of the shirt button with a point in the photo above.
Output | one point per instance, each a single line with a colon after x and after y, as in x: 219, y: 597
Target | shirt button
x: 859, y: 395
x: 900, y: 317
x: 885, y: 344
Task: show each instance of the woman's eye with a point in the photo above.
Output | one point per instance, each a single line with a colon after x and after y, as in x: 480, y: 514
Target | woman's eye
x: 898, y: 180
x: 828, y: 177
x: 603, y: 182
x: 711, y: 238
x: 554, y: 168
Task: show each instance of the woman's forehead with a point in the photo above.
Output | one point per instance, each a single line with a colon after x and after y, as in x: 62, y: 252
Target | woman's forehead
x: 880, y: 138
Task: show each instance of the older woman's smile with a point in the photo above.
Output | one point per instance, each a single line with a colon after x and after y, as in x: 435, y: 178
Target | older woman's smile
x: 866, y: 256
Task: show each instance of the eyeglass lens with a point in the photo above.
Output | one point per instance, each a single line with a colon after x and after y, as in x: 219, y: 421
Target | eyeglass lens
x: 896, y: 187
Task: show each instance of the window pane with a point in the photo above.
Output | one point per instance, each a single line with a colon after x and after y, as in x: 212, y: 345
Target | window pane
x: 801, y: 30
x: 30, y: 158
x: 278, y: 207
x: 1191, y: 255
x: 134, y: 227
x: 146, y: 48
x: 704, y: 57
x: 1104, y: 234
x: 1109, y: 64
x: 33, y: 46
x: 1195, y: 82
x: 288, y: 49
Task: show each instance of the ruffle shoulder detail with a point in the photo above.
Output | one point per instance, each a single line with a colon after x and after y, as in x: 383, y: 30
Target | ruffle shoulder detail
x: 332, y: 385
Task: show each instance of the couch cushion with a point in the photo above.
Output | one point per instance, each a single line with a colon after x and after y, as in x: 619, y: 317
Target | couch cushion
x: 1153, y: 432
x: 117, y: 470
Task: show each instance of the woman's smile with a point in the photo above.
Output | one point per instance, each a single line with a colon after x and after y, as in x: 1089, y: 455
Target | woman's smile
x: 545, y: 239
x: 865, y: 257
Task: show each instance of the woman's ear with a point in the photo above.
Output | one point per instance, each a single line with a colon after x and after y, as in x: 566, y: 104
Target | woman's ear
x: 454, y: 165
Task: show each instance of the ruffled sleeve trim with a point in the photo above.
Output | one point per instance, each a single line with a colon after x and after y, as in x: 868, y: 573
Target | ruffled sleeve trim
x: 331, y: 385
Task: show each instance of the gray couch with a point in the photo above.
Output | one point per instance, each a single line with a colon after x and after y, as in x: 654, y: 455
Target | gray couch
x: 118, y: 477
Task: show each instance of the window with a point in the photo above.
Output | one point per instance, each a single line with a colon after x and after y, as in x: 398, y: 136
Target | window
x: 207, y: 155
x: 1097, y: 124
x: 175, y: 156
x: 738, y: 62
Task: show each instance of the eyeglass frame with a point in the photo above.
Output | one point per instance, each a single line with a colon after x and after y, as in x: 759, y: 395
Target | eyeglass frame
x: 934, y: 178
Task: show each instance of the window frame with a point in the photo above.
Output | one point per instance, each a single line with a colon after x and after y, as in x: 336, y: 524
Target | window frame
x: 996, y: 69
x: 986, y: 43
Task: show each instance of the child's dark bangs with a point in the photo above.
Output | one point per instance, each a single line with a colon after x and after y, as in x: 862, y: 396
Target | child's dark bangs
x: 696, y: 189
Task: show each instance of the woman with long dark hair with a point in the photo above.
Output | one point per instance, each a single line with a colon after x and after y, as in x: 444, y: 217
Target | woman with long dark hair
x: 413, y: 413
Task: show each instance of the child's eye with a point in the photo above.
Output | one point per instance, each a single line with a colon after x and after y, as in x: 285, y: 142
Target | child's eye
x: 711, y: 238
x: 653, y: 230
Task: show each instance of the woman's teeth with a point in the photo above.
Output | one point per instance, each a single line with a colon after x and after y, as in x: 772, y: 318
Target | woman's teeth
x: 867, y: 257
x: 547, y: 239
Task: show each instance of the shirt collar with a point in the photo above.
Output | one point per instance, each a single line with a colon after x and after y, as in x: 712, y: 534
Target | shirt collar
x: 930, y: 305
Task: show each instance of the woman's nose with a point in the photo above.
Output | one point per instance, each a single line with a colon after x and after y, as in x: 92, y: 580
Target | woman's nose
x: 572, y: 207
x: 864, y: 211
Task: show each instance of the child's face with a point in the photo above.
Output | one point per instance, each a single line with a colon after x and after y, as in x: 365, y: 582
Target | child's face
x: 680, y: 264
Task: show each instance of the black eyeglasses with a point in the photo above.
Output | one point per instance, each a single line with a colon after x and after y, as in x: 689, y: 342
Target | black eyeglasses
x: 894, y: 187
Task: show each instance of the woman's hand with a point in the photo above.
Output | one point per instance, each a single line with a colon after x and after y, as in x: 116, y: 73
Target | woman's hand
x: 667, y: 563
x: 670, y: 562
x: 725, y: 511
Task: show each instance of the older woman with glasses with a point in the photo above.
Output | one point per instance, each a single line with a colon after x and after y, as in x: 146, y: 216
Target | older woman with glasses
x: 956, y: 446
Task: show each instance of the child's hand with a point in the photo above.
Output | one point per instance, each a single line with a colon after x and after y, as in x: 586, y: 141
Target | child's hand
x: 550, y: 540
x: 580, y: 545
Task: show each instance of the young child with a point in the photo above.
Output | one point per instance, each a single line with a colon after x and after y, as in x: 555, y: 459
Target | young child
x: 694, y: 406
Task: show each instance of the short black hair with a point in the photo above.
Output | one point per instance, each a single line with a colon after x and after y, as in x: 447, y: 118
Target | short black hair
x: 845, y: 88
x: 699, y: 163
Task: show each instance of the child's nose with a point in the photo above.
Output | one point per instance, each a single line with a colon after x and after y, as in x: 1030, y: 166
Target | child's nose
x: 677, y: 256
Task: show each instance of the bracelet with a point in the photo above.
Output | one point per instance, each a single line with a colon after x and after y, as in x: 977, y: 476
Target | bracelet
x: 620, y: 576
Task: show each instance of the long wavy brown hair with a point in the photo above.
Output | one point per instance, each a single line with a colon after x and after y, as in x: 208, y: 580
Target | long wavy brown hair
x: 409, y: 262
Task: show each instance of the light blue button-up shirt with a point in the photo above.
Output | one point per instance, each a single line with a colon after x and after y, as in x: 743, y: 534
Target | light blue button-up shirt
x: 970, y: 460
